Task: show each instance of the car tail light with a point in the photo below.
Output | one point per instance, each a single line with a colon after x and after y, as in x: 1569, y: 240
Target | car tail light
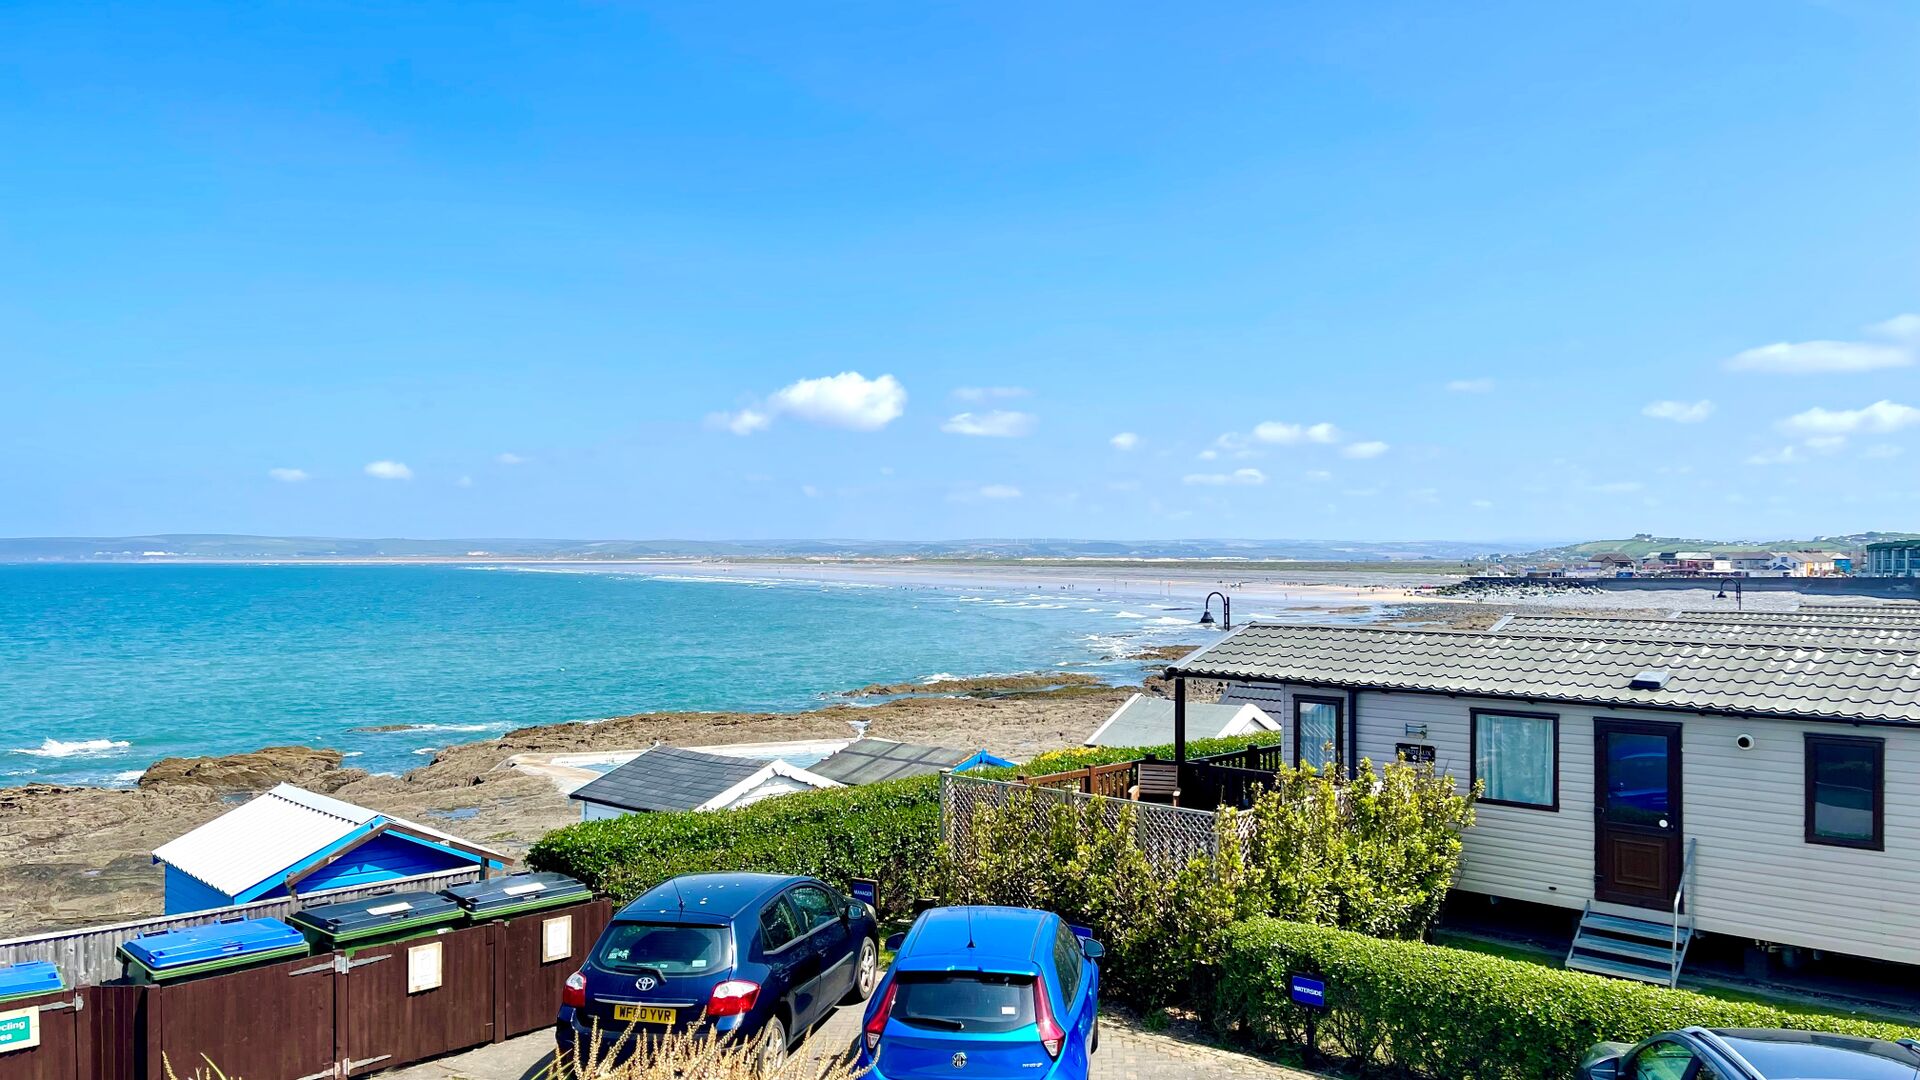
x: 733, y: 997
x: 878, y: 1023
x: 575, y: 993
x: 1051, y: 1036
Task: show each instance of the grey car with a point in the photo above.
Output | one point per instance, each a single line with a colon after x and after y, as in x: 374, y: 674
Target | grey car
x: 1752, y: 1054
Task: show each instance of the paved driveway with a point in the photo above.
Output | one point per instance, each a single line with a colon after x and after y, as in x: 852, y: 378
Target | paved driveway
x: 1126, y: 1053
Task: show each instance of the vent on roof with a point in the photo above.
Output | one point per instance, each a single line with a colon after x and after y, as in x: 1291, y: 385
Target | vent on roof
x: 1650, y: 679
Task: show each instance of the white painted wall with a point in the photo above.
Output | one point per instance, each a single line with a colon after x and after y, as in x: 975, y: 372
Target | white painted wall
x: 1755, y: 876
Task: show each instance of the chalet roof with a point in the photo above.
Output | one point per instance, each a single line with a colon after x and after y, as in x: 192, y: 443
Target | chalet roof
x: 1728, y: 677
x: 1811, y: 635
x: 869, y: 761
x: 669, y: 778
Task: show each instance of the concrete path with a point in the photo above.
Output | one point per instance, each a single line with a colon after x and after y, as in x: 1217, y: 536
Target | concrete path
x: 1126, y: 1053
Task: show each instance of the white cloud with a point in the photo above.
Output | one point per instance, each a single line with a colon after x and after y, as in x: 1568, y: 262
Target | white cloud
x: 990, y: 393
x: 847, y: 400
x: 1826, y: 444
x: 1481, y: 504
x: 1207, y: 455
x: 1470, y: 386
x: 1680, y: 412
x: 1822, y: 357
x: 998, y: 424
x: 1877, y: 418
x: 1237, y: 477
x: 289, y: 476
x: 1899, y: 328
x: 465, y: 482
x: 1364, y: 450
x: 1319, y: 476
x: 1786, y: 455
x: 388, y: 470
x: 809, y: 491
x: 1126, y: 440
x: 510, y: 459
x: 1277, y: 431
x: 999, y: 491
x: 1882, y: 451
x: 1619, y: 487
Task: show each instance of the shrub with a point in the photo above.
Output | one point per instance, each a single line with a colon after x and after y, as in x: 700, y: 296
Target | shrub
x: 1451, y: 1013
x: 1376, y: 854
x: 888, y: 831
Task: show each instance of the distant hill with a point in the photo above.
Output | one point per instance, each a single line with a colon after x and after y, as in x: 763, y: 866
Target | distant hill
x: 224, y: 546
x: 1645, y: 544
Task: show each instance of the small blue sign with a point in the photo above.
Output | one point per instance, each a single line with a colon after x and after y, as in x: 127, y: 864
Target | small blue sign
x: 1309, y: 991
x: 865, y: 890
x: 1081, y: 932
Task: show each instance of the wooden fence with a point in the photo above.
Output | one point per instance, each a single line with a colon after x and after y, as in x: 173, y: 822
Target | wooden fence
x: 89, y: 955
x: 323, y: 1017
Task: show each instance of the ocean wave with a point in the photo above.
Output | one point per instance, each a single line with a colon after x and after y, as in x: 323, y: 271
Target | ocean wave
x: 127, y: 777
x: 424, y: 750
x: 1129, y: 615
x: 940, y: 676
x: 1169, y: 620
x: 54, y: 748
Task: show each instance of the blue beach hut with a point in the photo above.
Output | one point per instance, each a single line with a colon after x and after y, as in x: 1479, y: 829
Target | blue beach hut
x: 291, y: 841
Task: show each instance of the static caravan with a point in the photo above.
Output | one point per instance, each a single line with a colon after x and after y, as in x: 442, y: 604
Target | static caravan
x: 1756, y: 789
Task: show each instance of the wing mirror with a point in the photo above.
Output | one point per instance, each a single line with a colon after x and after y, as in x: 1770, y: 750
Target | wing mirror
x: 1092, y: 949
x: 894, y: 941
x: 1602, y: 1064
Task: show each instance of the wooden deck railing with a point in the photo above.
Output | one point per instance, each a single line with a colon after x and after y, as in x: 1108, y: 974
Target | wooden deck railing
x: 1112, y: 781
x: 1229, y: 779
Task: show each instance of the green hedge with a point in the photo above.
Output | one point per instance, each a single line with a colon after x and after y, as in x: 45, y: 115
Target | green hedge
x: 1451, y: 1013
x: 888, y: 831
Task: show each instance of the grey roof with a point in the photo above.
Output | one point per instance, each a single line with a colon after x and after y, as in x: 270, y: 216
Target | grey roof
x: 669, y: 778
x: 1146, y: 720
x: 1771, y: 680
x: 1783, y: 618
x: 869, y: 761
x: 1903, y: 609
x: 1811, y: 635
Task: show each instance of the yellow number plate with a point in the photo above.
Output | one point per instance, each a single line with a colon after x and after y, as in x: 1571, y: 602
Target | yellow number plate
x: 645, y: 1014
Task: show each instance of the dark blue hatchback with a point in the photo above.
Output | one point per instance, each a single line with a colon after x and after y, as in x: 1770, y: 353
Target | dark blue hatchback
x: 752, y: 954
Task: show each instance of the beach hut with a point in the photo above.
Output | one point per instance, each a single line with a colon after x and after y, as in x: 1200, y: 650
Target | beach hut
x: 670, y: 778
x: 1143, y: 720
x: 869, y: 761
x: 291, y: 841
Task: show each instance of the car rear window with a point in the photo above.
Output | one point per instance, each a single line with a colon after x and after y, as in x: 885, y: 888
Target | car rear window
x: 662, y: 947
x: 963, y: 1001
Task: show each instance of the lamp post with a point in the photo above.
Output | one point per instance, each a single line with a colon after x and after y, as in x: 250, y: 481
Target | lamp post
x: 1226, y: 611
x: 1739, y: 592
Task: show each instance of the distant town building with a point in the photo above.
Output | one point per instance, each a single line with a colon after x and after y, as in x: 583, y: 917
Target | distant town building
x: 1894, y: 558
x: 1810, y: 563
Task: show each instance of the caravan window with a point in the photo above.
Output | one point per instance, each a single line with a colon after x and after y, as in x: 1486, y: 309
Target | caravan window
x: 1517, y: 756
x: 1318, y: 734
x: 1846, y: 791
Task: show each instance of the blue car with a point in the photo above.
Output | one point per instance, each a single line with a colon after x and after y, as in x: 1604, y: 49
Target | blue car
x: 985, y: 992
x: 751, y: 954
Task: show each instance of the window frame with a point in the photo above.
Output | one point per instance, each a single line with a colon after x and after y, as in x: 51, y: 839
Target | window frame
x: 1878, y: 841
x: 1339, y: 727
x: 1473, y: 757
x: 793, y: 922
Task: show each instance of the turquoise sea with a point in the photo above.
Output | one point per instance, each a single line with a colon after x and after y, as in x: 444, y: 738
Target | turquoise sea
x: 106, y: 668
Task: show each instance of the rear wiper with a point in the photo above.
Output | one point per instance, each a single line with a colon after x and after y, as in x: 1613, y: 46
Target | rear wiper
x: 939, y: 1022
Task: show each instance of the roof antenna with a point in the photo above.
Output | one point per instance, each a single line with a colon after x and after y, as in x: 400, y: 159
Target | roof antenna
x: 969, y: 927
x: 676, y: 895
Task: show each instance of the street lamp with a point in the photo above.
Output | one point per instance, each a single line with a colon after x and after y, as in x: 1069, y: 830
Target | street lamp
x: 1739, y: 592
x: 1226, y: 611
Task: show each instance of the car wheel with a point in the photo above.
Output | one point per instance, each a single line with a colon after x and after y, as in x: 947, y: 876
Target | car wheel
x: 866, y: 973
x: 773, y: 1046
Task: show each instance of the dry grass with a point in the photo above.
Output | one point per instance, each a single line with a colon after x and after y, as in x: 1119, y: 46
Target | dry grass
x: 699, y: 1056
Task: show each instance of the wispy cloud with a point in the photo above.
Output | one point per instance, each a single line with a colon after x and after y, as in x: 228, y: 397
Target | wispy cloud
x: 388, y: 470
x: 1285, y: 434
x: 1619, y: 487
x: 1236, y: 477
x: 1882, y: 451
x: 1470, y: 386
x: 847, y: 400
x: 289, y: 476
x: 990, y: 393
x: 510, y: 458
x: 1876, y: 419
x: 1126, y: 440
x: 1372, y: 448
x: 1836, y: 357
x: 1786, y: 455
x: 998, y: 424
x: 999, y: 491
x: 1481, y: 504
x: 1680, y: 412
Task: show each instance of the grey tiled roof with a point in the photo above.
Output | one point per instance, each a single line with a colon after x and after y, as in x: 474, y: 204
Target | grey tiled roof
x: 869, y: 761
x: 1806, y: 634
x: 668, y: 778
x: 1813, y: 618
x: 1146, y: 720
x: 1776, y: 680
x: 1901, y: 609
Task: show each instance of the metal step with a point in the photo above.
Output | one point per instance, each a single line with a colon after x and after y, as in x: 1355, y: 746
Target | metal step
x: 1622, y: 969
x: 1645, y: 952
x: 1640, y: 928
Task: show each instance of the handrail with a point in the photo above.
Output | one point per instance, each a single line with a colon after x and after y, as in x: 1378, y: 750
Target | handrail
x: 1679, y: 897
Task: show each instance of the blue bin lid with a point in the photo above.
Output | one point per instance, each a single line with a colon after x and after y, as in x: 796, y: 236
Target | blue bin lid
x: 199, y: 944
x: 32, y: 977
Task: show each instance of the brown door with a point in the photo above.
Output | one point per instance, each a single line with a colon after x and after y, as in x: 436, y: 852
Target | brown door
x: 1636, y: 825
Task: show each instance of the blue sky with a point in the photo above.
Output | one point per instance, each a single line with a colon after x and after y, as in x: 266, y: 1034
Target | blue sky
x: 881, y: 270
